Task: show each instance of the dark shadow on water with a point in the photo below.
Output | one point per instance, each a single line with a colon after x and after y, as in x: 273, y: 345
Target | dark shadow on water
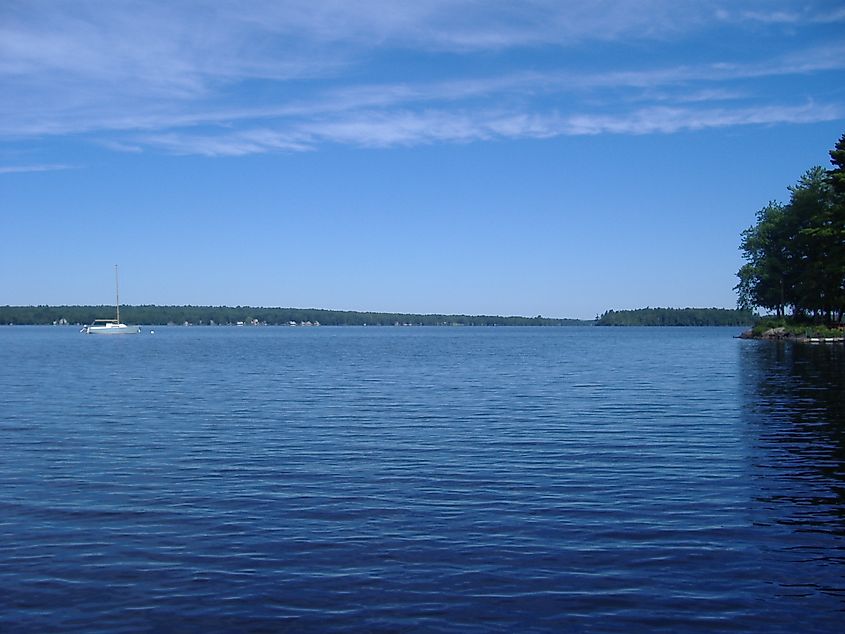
x: 793, y: 408
x: 793, y: 399
x: 793, y: 395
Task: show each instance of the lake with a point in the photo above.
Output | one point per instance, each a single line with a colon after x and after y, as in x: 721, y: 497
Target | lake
x: 427, y: 479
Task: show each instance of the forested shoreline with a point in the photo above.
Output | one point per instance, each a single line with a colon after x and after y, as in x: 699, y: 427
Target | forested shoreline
x: 677, y: 317
x: 227, y: 315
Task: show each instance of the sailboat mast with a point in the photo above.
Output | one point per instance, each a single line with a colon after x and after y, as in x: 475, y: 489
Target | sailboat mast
x: 116, y: 294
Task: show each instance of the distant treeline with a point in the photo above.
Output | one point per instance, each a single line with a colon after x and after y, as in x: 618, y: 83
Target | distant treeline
x: 223, y: 315
x: 676, y: 317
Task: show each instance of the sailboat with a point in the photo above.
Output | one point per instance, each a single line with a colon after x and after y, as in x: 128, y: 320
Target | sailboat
x: 111, y: 326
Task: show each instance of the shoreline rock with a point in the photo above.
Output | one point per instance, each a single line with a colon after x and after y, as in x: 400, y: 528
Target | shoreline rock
x: 781, y: 334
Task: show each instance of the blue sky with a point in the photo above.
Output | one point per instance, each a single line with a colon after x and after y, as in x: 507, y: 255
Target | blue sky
x: 555, y: 158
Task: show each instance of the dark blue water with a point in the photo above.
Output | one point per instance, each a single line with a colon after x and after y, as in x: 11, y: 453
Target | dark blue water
x: 395, y: 479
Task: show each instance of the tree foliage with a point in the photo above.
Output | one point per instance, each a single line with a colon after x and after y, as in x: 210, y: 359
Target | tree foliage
x: 676, y: 317
x: 795, y: 253
x: 227, y: 315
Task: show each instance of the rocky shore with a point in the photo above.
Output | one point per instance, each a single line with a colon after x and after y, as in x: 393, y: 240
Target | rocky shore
x: 782, y: 334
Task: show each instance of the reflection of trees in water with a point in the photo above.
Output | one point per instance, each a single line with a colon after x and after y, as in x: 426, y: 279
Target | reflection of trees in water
x: 793, y: 399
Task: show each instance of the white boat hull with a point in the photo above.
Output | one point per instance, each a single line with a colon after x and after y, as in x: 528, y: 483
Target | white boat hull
x: 111, y: 329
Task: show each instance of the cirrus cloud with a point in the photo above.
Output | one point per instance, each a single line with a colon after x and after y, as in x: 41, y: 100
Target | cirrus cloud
x: 228, y: 78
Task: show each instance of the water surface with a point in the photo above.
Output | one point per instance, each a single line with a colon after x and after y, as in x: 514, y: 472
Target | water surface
x: 428, y: 479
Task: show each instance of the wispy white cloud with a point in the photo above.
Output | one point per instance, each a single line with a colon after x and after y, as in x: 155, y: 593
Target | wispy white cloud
x: 667, y: 120
x: 407, y: 128
x: 831, y: 14
x: 237, y: 143
x: 45, y: 167
x: 233, y: 78
x: 683, y: 83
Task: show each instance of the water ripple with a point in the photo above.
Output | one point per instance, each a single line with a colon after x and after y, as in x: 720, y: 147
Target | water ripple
x: 428, y: 479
